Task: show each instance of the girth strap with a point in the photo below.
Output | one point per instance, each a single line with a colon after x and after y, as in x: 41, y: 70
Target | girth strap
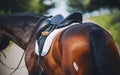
x: 41, y: 42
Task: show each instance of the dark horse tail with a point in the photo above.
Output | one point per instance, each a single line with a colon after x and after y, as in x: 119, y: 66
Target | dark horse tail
x: 99, y: 53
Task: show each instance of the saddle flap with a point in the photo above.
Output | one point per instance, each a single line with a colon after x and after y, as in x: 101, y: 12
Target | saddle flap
x: 57, y: 19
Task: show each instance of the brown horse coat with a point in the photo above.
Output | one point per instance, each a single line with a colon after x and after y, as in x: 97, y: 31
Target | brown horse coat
x: 71, y: 54
x: 82, y: 49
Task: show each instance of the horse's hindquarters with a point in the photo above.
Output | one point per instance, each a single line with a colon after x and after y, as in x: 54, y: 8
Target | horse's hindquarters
x: 76, y: 55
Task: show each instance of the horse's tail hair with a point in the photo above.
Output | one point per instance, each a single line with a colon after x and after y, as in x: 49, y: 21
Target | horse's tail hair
x: 99, y: 53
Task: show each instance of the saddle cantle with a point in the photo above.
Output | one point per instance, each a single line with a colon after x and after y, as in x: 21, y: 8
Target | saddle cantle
x: 74, y: 17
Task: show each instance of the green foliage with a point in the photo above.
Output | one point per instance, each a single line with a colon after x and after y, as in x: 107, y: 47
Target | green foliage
x: 43, y: 7
x: 13, y: 6
x: 91, y: 5
x: 97, y: 4
x: 111, y: 23
x: 116, y: 18
x: 34, y: 6
x: 75, y: 5
x: 103, y: 20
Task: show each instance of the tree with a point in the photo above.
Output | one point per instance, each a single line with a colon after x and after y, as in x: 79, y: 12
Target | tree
x: 91, y: 5
x: 12, y: 6
x: 97, y: 4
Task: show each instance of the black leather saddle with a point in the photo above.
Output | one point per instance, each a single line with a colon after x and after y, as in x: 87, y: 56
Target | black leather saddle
x: 55, y: 22
x: 59, y: 21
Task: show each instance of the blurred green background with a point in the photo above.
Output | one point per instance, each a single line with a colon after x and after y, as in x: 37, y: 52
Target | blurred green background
x: 104, y: 12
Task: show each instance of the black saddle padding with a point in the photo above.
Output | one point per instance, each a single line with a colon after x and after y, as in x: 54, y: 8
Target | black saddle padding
x: 56, y: 19
x: 74, y: 17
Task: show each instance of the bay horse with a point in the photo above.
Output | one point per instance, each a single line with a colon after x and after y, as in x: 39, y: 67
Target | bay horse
x: 80, y: 49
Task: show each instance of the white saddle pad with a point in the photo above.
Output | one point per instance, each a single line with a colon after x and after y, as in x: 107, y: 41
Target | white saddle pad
x: 48, y: 41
